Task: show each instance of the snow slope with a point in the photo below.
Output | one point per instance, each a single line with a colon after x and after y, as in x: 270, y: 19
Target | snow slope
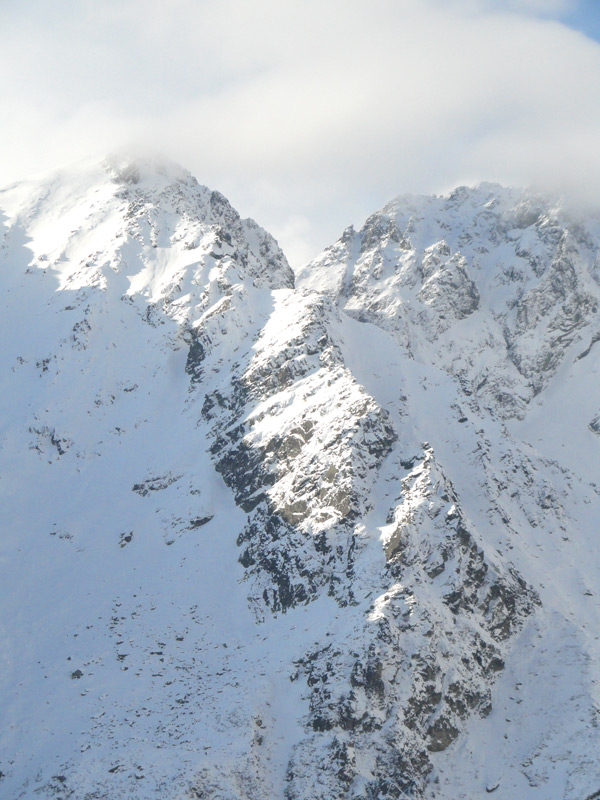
x: 331, y: 540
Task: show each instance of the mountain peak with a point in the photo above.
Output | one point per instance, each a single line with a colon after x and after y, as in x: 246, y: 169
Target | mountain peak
x: 125, y: 210
x: 500, y: 260
x: 133, y: 168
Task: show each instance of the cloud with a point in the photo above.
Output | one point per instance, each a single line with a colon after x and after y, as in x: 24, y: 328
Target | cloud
x: 308, y: 115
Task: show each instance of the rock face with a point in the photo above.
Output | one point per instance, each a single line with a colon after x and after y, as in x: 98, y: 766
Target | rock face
x: 326, y: 540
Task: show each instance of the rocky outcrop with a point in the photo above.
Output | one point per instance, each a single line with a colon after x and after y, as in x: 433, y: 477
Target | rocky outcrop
x: 423, y: 658
x: 298, y: 441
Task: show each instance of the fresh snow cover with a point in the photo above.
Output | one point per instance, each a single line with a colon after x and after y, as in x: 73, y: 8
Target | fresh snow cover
x: 323, y: 536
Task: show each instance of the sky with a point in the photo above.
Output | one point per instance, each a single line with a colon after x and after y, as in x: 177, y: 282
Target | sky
x: 310, y: 114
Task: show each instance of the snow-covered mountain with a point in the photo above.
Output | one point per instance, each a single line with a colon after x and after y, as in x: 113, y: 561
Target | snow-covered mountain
x: 332, y: 537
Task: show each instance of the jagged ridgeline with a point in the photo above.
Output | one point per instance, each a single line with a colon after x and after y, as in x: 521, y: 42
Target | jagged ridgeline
x: 321, y: 536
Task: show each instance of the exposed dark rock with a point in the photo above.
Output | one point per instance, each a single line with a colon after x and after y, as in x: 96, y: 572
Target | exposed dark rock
x: 198, y: 522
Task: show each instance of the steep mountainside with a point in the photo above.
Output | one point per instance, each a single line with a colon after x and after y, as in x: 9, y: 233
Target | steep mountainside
x: 327, y: 541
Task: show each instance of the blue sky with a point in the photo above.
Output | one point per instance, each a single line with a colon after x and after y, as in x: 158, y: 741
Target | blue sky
x: 310, y: 114
x: 585, y: 18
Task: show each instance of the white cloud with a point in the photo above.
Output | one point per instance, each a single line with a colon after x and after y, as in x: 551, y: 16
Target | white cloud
x: 309, y: 115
